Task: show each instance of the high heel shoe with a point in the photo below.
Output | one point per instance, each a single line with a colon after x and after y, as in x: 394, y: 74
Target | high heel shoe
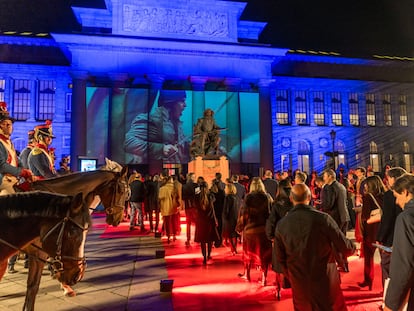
x: 365, y: 284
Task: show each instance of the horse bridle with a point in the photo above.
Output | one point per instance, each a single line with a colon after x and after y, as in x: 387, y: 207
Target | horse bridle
x: 120, y: 204
x: 55, y: 262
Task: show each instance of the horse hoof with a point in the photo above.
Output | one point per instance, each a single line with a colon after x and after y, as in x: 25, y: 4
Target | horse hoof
x: 68, y: 291
x: 70, y: 294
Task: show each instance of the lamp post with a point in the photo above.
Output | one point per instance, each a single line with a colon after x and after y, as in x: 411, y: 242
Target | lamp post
x: 333, y: 137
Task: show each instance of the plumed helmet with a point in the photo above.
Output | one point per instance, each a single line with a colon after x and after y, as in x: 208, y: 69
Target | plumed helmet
x: 44, y: 130
x: 4, y: 113
x: 30, y: 134
x: 169, y: 97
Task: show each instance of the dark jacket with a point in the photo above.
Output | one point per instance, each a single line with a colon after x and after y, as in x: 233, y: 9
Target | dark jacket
x: 230, y: 216
x: 271, y: 186
x: 279, y: 209
x: 402, y: 268
x: 206, y: 229
x: 138, y: 191
x: 188, y: 194
x: 305, y: 240
x: 334, y: 202
x: 390, y: 211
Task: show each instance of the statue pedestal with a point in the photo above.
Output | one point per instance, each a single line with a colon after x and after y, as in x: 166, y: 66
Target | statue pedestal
x: 207, y: 167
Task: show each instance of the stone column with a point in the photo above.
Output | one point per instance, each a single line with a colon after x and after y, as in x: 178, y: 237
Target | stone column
x: 78, y: 116
x: 156, y: 81
x: 199, y: 103
x: 233, y: 143
x: 116, y: 122
x: 266, y: 128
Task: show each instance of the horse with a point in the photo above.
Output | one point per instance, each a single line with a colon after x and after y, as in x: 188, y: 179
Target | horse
x: 112, y: 188
x: 59, y: 221
x: 109, y: 183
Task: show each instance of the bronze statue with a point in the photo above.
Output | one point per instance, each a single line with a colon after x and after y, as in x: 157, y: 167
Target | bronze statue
x: 206, y: 137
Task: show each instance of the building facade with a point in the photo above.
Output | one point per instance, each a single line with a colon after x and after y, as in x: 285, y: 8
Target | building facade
x: 280, y: 109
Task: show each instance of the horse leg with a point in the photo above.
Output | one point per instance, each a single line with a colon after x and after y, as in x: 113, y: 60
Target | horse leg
x: 67, y: 290
x: 33, y: 282
x: 3, y: 267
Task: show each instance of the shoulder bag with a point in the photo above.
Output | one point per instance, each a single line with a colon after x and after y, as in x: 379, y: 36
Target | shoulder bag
x: 375, y: 215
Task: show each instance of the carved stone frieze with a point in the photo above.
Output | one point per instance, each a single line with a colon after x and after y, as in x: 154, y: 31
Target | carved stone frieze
x: 172, y: 21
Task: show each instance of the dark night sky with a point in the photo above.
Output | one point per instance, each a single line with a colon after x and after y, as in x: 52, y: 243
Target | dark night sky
x: 352, y: 27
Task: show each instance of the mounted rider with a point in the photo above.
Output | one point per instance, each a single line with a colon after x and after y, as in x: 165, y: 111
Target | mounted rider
x: 10, y: 165
x: 40, y: 159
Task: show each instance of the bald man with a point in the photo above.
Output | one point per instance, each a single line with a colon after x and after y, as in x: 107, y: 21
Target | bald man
x: 304, y: 241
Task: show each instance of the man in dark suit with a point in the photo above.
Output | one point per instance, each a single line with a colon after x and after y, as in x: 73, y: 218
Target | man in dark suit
x: 241, y: 190
x: 306, y: 254
x: 270, y: 184
x: 334, y: 198
x: 138, y: 193
x: 390, y: 211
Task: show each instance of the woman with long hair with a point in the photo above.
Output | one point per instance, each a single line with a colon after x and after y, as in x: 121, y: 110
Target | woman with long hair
x: 257, y: 248
x: 206, y: 223
x: 373, y: 198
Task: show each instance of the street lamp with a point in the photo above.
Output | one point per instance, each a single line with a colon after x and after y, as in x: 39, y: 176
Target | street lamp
x: 333, y: 137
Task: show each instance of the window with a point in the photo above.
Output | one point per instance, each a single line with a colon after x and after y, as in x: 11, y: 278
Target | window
x: 282, y: 107
x: 68, y: 107
x: 318, y: 107
x: 336, y: 106
x: 374, y: 159
x: 370, y: 106
x: 403, y: 110
x: 46, y: 103
x: 407, y: 156
x: 2, y: 88
x: 353, y: 109
x: 21, y: 100
x: 386, y: 102
x: 301, y: 115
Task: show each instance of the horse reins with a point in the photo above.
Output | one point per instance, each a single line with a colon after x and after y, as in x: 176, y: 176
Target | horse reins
x: 56, y: 262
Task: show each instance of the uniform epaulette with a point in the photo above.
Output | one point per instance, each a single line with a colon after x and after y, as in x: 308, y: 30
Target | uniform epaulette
x: 36, y: 151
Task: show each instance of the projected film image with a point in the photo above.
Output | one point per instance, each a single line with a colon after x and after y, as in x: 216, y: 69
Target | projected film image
x: 135, y: 126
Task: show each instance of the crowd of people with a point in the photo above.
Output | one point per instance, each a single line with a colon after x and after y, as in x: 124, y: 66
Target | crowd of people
x: 293, y: 224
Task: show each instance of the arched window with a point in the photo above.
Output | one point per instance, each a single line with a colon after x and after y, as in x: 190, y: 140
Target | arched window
x: 406, y: 156
x: 304, y: 156
x: 374, y: 159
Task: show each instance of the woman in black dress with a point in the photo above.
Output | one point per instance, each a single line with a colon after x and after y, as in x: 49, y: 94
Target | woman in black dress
x: 230, y: 215
x: 206, y: 224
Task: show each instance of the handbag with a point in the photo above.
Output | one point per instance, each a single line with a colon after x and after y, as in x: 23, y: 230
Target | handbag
x: 375, y: 215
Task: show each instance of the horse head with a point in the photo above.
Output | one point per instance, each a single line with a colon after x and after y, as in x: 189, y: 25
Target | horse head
x: 65, y: 242
x: 114, y: 195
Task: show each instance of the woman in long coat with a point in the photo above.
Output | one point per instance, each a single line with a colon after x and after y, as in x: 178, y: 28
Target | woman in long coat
x: 206, y: 223
x: 167, y: 208
x: 230, y: 215
x: 257, y: 248
x: 279, y: 209
x: 373, y: 196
